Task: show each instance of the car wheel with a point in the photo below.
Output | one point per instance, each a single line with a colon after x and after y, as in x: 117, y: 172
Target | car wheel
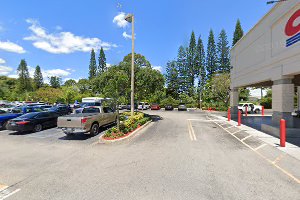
x: 94, y: 130
x: 242, y: 112
x: 38, y: 128
x: 257, y: 111
x: 4, y: 126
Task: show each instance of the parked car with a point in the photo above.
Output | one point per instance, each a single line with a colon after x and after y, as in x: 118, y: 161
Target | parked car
x: 155, y: 106
x: 61, y: 109
x: 129, y: 106
x: 7, y: 107
x: 45, y: 107
x: 122, y: 107
x: 16, y: 112
x: 2, y: 112
x: 250, y: 108
x: 296, y: 113
x: 143, y: 106
x: 169, y: 107
x: 87, y: 122
x: 182, y: 107
x: 36, y: 121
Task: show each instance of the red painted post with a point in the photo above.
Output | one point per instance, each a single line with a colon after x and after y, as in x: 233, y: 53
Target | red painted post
x: 262, y: 110
x: 246, y: 111
x: 282, y: 132
x: 239, y: 118
x: 229, y: 115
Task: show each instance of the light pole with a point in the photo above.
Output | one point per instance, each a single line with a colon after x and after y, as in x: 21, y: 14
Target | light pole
x: 130, y: 18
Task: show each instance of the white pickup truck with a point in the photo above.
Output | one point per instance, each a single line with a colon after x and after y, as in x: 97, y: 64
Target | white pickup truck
x: 88, y: 122
x: 250, y: 108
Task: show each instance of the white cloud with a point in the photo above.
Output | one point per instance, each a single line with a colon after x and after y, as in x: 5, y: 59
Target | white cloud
x: 126, y: 36
x: 56, y: 72
x: 2, y: 61
x: 159, y: 68
x: 120, y: 20
x: 63, y: 42
x: 13, y: 76
x: 5, y: 70
x: 11, y: 47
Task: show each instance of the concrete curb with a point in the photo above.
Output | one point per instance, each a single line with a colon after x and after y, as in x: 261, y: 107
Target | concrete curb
x: 103, y: 141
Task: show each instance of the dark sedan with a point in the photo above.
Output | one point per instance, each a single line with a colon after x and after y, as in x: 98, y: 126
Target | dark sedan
x: 61, y: 110
x: 169, y: 107
x: 35, y: 122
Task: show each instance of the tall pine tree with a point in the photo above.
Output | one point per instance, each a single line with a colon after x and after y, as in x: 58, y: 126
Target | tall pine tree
x: 238, y: 33
x: 211, y: 58
x: 172, y: 79
x: 192, y: 65
x: 24, y: 83
x: 38, y: 78
x: 223, y: 53
x: 200, y: 61
x: 93, y: 65
x: 102, y: 62
x: 183, y: 70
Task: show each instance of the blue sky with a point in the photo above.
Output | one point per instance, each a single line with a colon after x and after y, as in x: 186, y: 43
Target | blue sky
x: 58, y: 34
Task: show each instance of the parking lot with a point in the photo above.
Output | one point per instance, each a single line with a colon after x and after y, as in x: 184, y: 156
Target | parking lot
x: 181, y: 155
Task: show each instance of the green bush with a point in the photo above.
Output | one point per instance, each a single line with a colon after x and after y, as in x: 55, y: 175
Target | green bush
x: 266, y: 102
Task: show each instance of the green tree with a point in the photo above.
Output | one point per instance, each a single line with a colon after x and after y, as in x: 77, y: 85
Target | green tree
x: 238, y: 33
x: 38, y: 78
x: 24, y: 83
x: 192, y: 64
x: 183, y: 70
x: 172, y: 79
x: 112, y: 84
x: 217, y: 90
x: 84, y: 85
x: 211, y: 58
x: 55, y: 81
x: 223, y: 53
x: 102, y: 62
x: 70, y: 83
x: 244, y: 94
x: 93, y: 65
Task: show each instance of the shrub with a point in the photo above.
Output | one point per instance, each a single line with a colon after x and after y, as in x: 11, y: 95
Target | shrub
x: 107, y: 134
x: 114, y: 129
x: 122, y: 126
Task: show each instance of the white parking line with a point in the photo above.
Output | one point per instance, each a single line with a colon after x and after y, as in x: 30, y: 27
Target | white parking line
x: 245, y: 138
x: 261, y: 146
x: 8, y: 194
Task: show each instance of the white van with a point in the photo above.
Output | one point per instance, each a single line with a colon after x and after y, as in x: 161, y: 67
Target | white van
x: 143, y: 106
x: 93, y: 101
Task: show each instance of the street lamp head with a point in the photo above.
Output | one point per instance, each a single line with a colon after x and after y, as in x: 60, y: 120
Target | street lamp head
x: 128, y: 18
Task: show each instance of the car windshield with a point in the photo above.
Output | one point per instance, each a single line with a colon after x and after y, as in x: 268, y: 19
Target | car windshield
x: 83, y: 105
x: 241, y: 104
x: 182, y: 104
x: 29, y: 115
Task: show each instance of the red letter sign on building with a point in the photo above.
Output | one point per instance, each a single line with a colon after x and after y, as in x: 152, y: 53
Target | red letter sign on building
x: 292, y: 30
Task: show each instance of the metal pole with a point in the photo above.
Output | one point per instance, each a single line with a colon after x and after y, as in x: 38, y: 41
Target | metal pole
x: 132, y: 69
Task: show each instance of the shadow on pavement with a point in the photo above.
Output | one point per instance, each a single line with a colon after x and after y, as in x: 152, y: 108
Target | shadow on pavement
x: 82, y: 136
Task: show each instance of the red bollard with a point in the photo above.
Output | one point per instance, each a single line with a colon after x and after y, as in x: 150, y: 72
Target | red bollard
x: 229, y: 115
x: 282, y: 132
x: 246, y: 111
x: 239, y: 118
x: 262, y: 110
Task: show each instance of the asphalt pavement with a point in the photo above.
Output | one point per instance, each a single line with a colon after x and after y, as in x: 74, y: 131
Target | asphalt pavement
x: 181, y: 155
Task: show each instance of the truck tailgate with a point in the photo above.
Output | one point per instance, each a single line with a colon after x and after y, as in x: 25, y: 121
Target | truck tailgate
x: 69, y: 122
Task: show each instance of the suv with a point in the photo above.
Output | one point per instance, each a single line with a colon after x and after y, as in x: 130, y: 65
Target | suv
x: 250, y: 108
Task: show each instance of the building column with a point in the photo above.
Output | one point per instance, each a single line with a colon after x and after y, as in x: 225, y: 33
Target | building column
x: 283, y: 92
x: 234, y: 101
